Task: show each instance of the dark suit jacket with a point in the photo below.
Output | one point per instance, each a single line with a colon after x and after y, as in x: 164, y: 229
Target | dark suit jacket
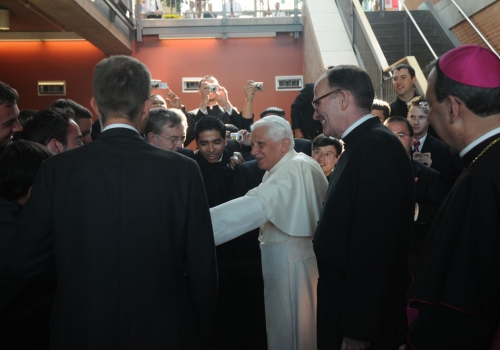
x: 441, y: 160
x: 134, y: 269
x: 429, y: 195
x: 361, y: 242
x: 186, y: 152
x: 303, y: 111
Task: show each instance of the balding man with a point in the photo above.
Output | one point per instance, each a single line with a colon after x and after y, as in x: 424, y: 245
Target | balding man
x: 287, y: 221
x: 360, y: 242
x: 456, y: 282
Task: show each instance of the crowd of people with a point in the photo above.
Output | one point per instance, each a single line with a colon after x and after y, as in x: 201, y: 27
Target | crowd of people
x: 362, y: 224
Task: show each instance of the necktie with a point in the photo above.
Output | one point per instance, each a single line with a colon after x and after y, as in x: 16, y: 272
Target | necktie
x: 231, y: 3
x: 156, y: 3
x: 416, y: 145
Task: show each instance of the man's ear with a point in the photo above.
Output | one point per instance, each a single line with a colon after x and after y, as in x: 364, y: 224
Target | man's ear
x: 454, y: 109
x: 93, y: 103
x: 150, y: 137
x: 285, y: 145
x: 55, y: 146
x: 414, y: 79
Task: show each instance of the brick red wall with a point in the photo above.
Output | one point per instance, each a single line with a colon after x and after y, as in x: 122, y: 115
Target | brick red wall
x: 232, y: 61
x: 312, y: 61
x: 487, y: 22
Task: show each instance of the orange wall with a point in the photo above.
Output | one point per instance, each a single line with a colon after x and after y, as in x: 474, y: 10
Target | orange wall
x: 23, y: 64
x: 232, y: 61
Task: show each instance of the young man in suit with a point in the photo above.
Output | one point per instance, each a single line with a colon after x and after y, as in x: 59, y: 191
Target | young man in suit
x: 140, y: 273
x: 423, y: 143
x: 360, y: 248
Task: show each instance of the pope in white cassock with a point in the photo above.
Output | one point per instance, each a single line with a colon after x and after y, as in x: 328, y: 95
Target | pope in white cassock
x: 286, y: 206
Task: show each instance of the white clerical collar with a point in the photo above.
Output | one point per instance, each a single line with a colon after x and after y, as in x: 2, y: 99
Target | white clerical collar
x: 119, y: 125
x: 290, y: 154
x: 479, y: 140
x: 356, y: 124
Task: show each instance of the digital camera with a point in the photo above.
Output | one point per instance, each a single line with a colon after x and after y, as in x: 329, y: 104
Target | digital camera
x: 236, y: 136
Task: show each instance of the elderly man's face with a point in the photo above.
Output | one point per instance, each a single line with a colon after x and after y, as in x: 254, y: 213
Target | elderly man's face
x: 266, y: 151
x: 169, y: 138
x: 9, y: 124
x: 328, y: 111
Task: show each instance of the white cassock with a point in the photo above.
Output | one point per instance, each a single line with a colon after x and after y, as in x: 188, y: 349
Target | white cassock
x: 286, y: 206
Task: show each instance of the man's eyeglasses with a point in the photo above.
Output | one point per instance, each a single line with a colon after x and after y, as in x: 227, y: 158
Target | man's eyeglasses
x: 315, y: 102
x: 173, y: 139
x: 328, y: 155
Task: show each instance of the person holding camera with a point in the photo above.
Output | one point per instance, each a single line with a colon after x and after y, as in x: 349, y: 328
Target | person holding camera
x: 215, y: 102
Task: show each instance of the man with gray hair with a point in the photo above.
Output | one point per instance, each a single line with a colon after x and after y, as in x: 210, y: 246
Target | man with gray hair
x: 287, y: 221
x: 166, y: 128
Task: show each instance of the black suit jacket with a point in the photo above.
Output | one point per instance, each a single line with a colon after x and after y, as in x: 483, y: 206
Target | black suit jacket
x: 129, y: 229
x: 441, y: 160
x: 361, y: 241
x: 429, y: 195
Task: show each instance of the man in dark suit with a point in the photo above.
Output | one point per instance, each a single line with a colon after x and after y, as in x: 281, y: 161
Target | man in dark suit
x: 360, y: 242
x: 423, y: 143
x: 141, y: 273
x: 429, y: 193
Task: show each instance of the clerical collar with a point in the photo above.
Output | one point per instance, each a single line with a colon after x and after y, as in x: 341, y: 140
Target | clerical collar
x: 119, y: 125
x: 479, y: 140
x: 356, y: 124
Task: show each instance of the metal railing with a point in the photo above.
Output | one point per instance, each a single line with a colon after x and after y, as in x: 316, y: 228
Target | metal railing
x: 408, y: 33
x: 369, y: 52
x: 475, y: 28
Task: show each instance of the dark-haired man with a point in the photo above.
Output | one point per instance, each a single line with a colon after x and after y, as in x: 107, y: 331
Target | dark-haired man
x: 214, y: 161
x: 83, y: 117
x: 54, y: 128
x: 456, y: 283
x: 9, y: 112
x: 141, y: 274
x: 360, y: 249
x: 403, y: 82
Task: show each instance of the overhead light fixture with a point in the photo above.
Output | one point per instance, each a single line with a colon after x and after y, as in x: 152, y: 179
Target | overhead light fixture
x: 4, y: 19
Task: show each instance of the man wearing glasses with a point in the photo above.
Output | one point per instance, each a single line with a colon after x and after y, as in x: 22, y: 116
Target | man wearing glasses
x: 361, y: 238
x: 166, y: 128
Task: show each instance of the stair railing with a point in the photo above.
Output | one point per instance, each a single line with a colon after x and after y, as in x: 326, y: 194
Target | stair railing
x: 475, y: 28
x: 407, y: 35
x: 369, y: 53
